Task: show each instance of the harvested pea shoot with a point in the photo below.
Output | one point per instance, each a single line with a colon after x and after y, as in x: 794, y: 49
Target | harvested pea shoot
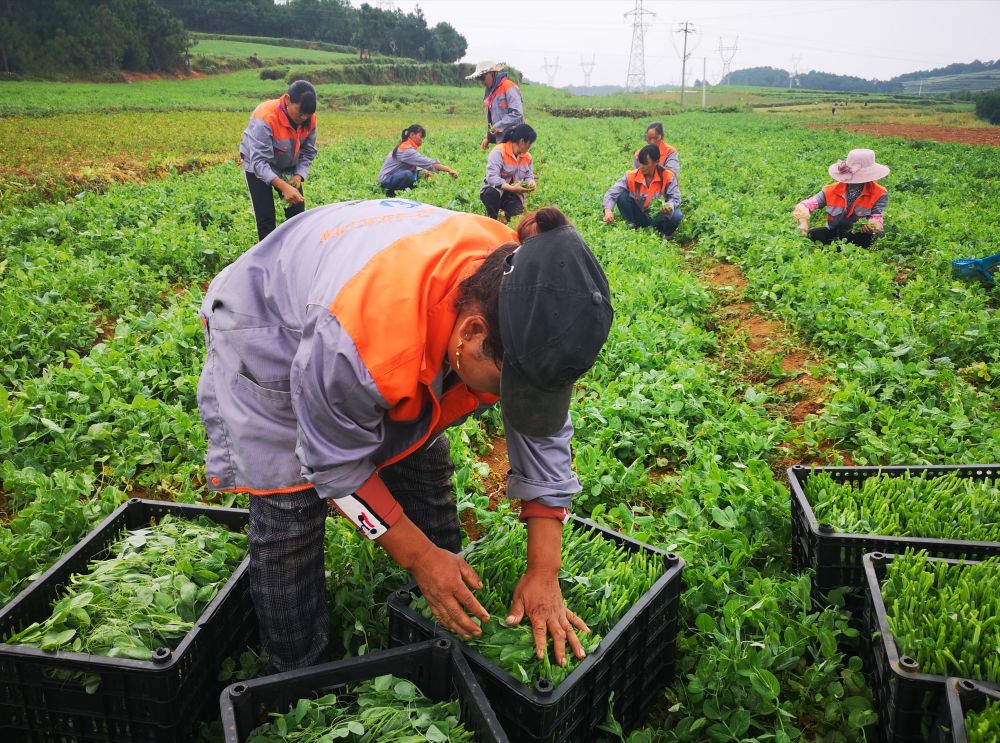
x: 946, y: 617
x: 945, y: 507
x: 146, y: 595
x: 385, y: 709
x: 600, y: 581
x: 983, y: 726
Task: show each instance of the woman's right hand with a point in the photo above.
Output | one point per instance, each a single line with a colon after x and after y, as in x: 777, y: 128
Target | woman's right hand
x: 292, y: 195
x: 609, y: 216
x: 446, y: 581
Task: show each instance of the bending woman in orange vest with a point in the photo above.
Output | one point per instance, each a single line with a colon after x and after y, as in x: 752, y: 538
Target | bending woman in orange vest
x: 668, y: 154
x: 635, y: 192
x: 855, y: 196
x: 277, y: 148
x: 510, y: 176
x: 404, y: 165
x: 342, y: 346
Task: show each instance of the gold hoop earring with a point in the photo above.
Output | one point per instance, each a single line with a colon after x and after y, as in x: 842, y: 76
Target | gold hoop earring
x: 458, y: 356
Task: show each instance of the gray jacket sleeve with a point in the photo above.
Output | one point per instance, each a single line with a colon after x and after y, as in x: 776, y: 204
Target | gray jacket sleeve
x: 339, y: 411
x: 307, y: 153
x: 514, y: 114
x: 493, y: 163
x: 413, y: 158
x: 541, y: 468
x: 259, y: 145
x: 672, y: 163
x: 881, y: 204
x: 612, y: 194
x: 673, y: 193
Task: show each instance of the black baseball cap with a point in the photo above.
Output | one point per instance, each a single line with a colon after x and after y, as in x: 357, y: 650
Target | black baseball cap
x: 555, y: 315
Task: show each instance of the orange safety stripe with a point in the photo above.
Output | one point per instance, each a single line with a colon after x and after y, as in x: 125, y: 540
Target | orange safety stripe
x: 281, y: 127
x: 509, y: 158
x: 273, y: 491
x: 836, y: 195
x: 665, y: 152
x: 505, y: 85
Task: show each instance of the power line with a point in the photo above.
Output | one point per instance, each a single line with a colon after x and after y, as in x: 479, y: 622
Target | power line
x: 587, y: 67
x: 686, y: 28
x: 636, y: 79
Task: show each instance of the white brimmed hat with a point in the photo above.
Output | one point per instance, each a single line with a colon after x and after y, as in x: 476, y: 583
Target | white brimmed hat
x: 485, y: 66
x: 859, y: 167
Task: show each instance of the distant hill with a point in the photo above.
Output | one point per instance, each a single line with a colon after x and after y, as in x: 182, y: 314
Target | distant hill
x: 961, y: 76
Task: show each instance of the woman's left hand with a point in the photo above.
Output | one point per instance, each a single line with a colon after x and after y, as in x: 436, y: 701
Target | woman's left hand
x: 538, y: 596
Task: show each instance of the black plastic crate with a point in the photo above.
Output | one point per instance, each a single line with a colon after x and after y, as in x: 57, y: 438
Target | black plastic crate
x: 908, y: 701
x: 160, y: 700
x: 435, y: 666
x: 836, y: 556
x: 634, y: 662
x: 962, y: 697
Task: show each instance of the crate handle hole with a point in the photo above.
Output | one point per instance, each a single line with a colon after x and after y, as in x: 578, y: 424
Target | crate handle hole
x: 967, y: 685
x: 444, y: 643
x: 543, y: 686
x: 403, y: 593
x: 826, y: 528
x: 876, y: 556
x: 237, y: 690
x: 672, y: 557
x: 910, y: 664
x: 134, y: 500
x: 162, y: 654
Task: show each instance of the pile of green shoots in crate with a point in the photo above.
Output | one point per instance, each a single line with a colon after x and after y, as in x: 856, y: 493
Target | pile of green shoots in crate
x: 945, y: 507
x: 945, y: 616
x: 385, y: 709
x: 147, y: 594
x: 600, y: 580
x: 983, y: 726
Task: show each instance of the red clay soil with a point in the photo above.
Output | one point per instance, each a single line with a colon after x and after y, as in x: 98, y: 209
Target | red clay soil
x: 495, y: 485
x: 965, y: 135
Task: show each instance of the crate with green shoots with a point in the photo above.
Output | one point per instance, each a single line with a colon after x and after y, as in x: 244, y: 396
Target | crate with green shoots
x: 627, y: 593
x: 123, y: 638
x: 841, y: 513
x: 971, y: 713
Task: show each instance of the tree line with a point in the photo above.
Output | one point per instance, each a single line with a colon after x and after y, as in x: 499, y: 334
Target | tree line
x: 370, y: 29
x: 57, y: 38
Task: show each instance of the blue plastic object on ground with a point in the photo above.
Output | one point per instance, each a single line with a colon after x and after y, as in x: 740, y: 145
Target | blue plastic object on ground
x: 971, y: 269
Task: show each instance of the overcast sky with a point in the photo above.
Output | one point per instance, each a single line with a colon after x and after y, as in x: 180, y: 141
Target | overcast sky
x: 874, y: 39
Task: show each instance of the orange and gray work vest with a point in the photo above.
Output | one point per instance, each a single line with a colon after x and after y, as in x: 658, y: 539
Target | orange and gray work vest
x: 503, y: 166
x: 273, y: 146
x: 405, y: 157
x: 326, y: 358
x: 870, y: 203
x: 663, y: 186
x: 504, y: 108
x: 668, y: 158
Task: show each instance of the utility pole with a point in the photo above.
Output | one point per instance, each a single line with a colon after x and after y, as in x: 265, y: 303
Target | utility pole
x: 551, y: 70
x: 685, y: 28
x: 636, y: 79
x: 727, y: 53
x: 587, y: 69
x: 793, y: 76
x: 704, y: 65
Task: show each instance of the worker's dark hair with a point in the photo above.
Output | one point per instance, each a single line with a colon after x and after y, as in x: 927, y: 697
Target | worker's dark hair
x: 522, y: 131
x: 649, y: 154
x: 657, y: 126
x: 481, y: 291
x: 411, y: 129
x: 304, y: 94
x: 539, y: 221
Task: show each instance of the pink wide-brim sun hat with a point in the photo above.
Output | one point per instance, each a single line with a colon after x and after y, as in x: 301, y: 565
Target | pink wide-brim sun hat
x: 859, y: 167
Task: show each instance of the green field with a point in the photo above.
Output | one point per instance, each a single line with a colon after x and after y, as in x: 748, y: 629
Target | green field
x: 267, y: 52
x: 683, y: 428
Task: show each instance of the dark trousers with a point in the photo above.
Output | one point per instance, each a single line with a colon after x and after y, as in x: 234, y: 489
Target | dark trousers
x: 400, y: 181
x: 262, y: 199
x: 287, y: 579
x: 496, y: 201
x: 826, y: 236
x: 632, y: 213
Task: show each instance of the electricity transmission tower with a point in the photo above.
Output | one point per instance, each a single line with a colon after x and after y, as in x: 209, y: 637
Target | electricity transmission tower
x: 636, y: 79
x: 587, y: 67
x: 727, y: 53
x: 551, y: 70
x: 685, y: 28
x: 793, y: 76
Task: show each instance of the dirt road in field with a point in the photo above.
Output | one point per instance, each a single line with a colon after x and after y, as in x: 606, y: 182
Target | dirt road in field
x: 965, y: 135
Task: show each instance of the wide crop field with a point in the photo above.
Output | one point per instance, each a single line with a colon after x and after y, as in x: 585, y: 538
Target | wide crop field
x: 737, y: 349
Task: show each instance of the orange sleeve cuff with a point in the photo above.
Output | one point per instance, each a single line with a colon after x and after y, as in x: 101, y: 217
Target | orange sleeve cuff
x: 535, y: 510
x: 371, y: 508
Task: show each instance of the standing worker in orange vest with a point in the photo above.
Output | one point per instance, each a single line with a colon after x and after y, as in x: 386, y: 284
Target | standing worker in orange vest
x: 668, y: 154
x: 635, y: 192
x: 277, y: 148
x: 509, y: 175
x: 502, y: 101
x: 342, y: 346
x: 855, y: 196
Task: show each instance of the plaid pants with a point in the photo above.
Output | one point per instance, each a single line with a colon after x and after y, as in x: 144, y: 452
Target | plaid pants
x: 287, y: 578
